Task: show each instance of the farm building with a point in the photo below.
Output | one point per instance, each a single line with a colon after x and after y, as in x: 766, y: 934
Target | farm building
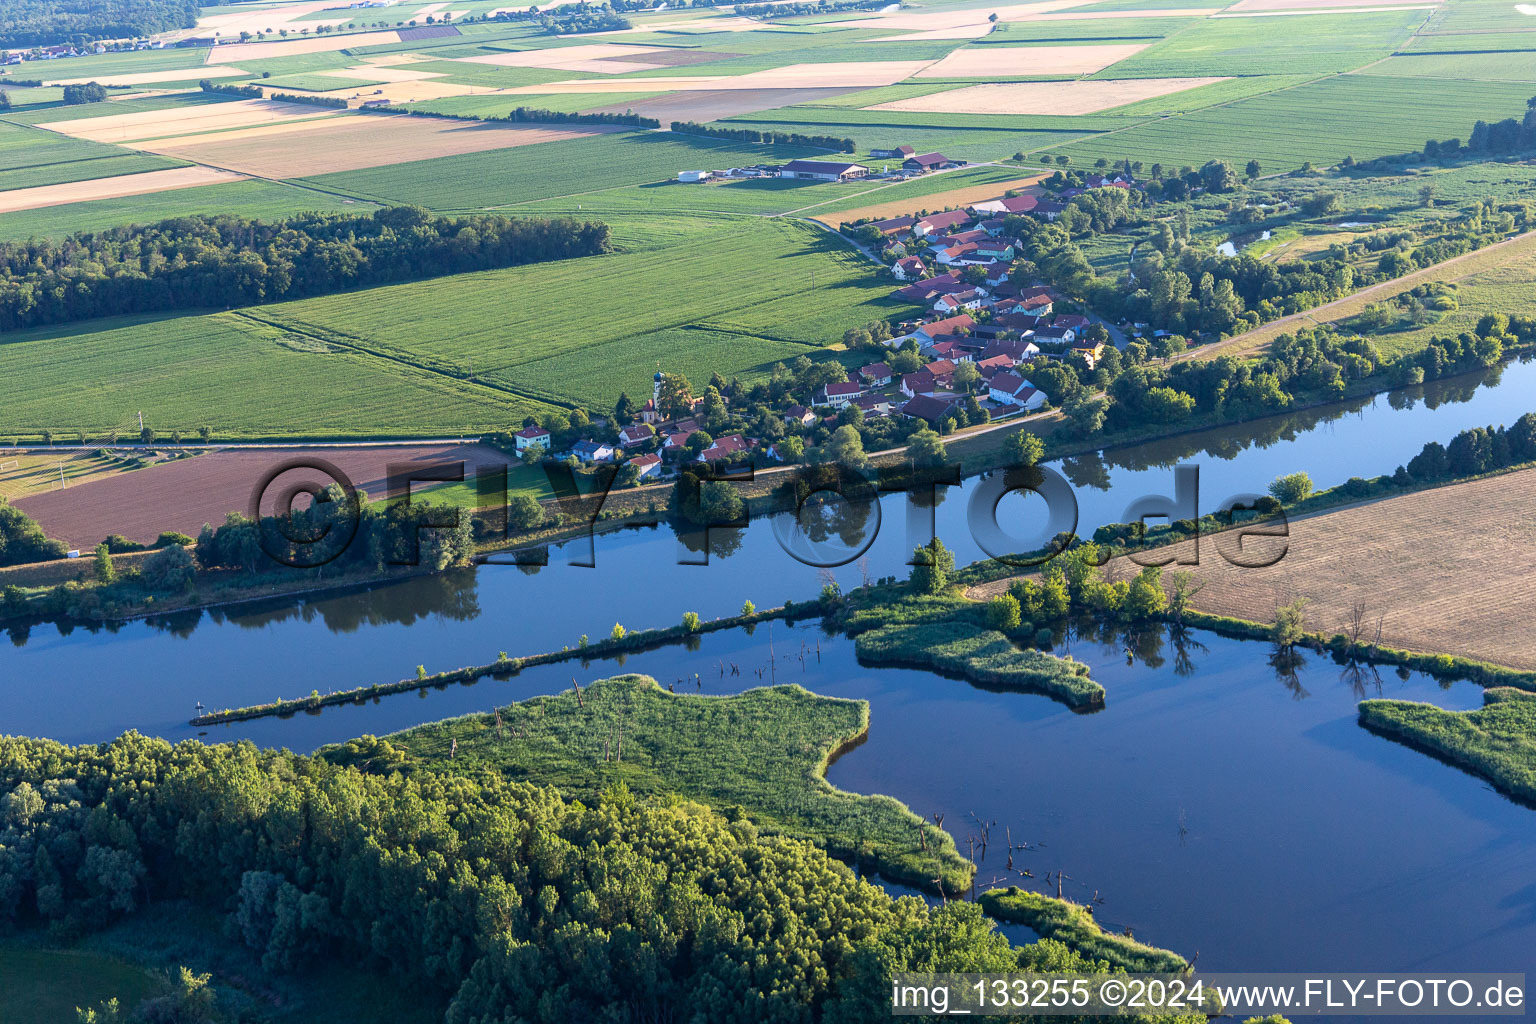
x: 822, y: 170
x: 941, y: 222
x: 689, y: 177
x: 925, y: 162
x: 898, y: 153
x: 928, y: 407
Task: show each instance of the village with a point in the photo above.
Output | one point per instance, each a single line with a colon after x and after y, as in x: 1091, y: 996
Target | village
x: 961, y: 358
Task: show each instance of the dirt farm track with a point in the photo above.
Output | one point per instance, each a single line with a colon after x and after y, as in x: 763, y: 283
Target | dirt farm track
x: 185, y: 494
x: 1445, y: 570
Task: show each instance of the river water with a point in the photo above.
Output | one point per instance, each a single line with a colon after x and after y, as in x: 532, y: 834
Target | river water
x: 1218, y: 804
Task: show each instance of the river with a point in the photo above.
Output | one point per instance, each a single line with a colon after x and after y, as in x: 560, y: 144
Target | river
x: 1216, y: 804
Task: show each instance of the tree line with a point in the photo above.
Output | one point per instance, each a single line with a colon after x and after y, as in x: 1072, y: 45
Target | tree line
x: 534, y: 114
x: 831, y: 142
x: 255, y: 92
x: 795, y: 10
x: 228, y: 260
x: 28, y: 23
x: 503, y: 899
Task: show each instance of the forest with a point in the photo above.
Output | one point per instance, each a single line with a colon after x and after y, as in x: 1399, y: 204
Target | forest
x: 28, y: 23
x: 228, y: 260
x: 502, y: 898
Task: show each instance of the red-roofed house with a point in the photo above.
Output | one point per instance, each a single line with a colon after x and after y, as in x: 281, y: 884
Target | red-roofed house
x: 994, y: 364
x: 893, y: 225
x: 941, y: 222
x: 954, y: 302
x: 919, y: 383
x: 909, y: 268
x: 648, y: 465
x: 635, y: 435
x: 799, y: 414
x: 724, y: 448
x: 875, y: 375
x: 949, y: 325
x: 530, y: 436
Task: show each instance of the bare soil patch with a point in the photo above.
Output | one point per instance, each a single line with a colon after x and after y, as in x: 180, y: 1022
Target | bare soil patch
x: 112, y: 188
x: 353, y: 141
x: 1079, y: 97
x: 942, y: 20
x: 188, y: 120
x: 185, y: 494
x: 936, y: 201
x: 998, y: 61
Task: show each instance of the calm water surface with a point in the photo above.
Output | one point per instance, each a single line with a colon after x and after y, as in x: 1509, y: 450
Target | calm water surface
x: 1214, y: 805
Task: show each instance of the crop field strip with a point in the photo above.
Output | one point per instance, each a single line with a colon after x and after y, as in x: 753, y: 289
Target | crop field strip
x: 500, y: 326
x: 243, y: 378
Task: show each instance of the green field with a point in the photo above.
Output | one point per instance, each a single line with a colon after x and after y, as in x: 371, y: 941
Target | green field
x: 320, y: 83
x: 266, y: 199
x: 584, y: 330
x: 579, y: 166
x: 1478, y: 67
x: 1323, y: 121
x: 763, y: 751
x: 241, y: 377
x: 1286, y: 45
x: 33, y: 156
x: 43, y: 986
x: 1506, y: 289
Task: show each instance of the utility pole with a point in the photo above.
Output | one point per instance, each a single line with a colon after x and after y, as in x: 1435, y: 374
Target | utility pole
x: 141, y: 422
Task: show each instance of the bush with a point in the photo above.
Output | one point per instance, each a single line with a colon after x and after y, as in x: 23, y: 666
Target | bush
x: 1291, y: 488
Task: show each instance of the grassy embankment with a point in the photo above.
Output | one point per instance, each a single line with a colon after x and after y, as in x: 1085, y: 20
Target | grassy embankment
x: 1073, y: 925
x: 505, y: 667
x: 761, y: 754
x: 1497, y: 742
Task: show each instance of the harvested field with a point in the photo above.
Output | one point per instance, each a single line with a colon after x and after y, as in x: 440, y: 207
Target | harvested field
x: 184, y: 494
x: 187, y: 120
x: 937, y: 201
x: 1030, y: 60
x: 354, y: 141
x: 233, y: 53
x: 380, y: 73
x: 715, y: 105
x: 946, y: 20
x: 1309, y: 5
x: 840, y: 75
x: 112, y: 188
x: 152, y: 77
x: 1419, y: 563
x: 1079, y: 97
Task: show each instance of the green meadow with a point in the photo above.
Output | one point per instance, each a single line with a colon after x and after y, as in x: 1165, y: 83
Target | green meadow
x: 242, y: 377
x: 581, y: 331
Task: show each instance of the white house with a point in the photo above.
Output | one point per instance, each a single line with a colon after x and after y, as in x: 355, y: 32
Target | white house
x: 530, y: 436
x: 909, y: 268
x: 648, y: 465
x: 593, y: 451
x: 839, y: 394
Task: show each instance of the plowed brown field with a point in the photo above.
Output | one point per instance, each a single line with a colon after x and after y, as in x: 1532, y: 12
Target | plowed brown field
x: 185, y: 494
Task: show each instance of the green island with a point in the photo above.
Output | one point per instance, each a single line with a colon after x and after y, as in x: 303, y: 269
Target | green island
x: 760, y: 755
x: 1496, y: 742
